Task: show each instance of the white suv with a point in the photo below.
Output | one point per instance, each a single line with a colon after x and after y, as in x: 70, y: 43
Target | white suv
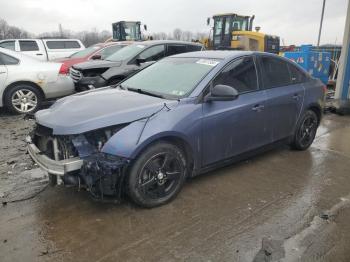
x: 44, y: 49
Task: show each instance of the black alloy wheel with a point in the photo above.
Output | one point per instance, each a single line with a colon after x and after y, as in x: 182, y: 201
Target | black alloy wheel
x: 306, y: 131
x: 157, y: 175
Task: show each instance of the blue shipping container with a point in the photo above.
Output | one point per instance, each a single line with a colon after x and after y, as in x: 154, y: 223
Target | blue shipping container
x: 316, y: 63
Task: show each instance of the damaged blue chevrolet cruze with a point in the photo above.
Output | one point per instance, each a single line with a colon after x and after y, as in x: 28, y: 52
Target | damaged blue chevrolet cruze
x: 179, y: 117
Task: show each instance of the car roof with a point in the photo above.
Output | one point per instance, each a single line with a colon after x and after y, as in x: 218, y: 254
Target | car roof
x: 113, y: 43
x: 224, y: 54
x: 215, y: 54
x: 155, y: 42
x: 44, y: 39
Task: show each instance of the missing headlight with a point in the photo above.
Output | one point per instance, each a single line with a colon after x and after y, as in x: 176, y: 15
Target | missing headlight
x: 93, y: 141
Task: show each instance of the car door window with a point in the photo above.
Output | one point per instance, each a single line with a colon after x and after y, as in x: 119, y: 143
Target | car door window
x: 8, y: 60
x: 28, y: 45
x: 176, y: 49
x: 275, y: 72
x: 240, y: 74
x: 153, y: 53
x: 8, y: 45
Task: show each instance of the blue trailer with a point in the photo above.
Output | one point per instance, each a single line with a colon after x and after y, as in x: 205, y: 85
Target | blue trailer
x: 314, y: 62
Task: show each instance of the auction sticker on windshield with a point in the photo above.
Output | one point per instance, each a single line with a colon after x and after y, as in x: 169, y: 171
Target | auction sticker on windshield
x: 140, y: 46
x: 208, y: 62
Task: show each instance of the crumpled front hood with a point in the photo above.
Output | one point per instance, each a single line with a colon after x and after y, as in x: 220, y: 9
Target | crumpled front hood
x: 96, y: 109
x: 97, y: 64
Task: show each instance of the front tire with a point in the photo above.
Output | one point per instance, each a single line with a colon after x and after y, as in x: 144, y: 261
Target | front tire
x: 23, y: 99
x: 306, y: 131
x: 157, y: 175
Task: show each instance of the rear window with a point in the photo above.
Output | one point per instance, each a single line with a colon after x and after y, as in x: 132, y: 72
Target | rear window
x: 28, y: 45
x: 62, y: 44
x: 296, y: 74
x: 275, y: 72
x: 8, y: 60
x: 176, y: 49
x: 193, y: 48
x: 86, y: 52
x: 110, y: 50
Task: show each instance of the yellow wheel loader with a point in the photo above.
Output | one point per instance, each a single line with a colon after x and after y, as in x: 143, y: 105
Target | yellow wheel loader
x: 234, y: 32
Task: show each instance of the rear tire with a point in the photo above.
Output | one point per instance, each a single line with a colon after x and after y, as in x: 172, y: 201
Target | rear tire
x: 23, y: 99
x: 157, y: 175
x: 306, y: 131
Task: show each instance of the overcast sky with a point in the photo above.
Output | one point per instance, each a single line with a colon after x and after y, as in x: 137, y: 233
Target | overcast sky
x: 295, y: 21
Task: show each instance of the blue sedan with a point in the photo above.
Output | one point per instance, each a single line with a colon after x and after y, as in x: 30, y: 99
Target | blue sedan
x: 180, y: 117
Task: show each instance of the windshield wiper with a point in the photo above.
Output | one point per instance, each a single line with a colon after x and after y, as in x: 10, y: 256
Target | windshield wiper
x: 123, y: 87
x: 145, y: 92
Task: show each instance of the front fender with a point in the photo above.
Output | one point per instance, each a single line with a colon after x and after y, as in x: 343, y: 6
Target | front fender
x: 183, y: 122
x: 130, y: 141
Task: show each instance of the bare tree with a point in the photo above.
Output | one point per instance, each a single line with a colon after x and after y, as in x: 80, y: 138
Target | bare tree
x: 7, y: 31
x: 177, y: 34
x: 160, y: 36
x: 187, y: 36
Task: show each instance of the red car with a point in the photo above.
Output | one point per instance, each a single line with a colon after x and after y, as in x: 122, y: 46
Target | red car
x: 94, y: 52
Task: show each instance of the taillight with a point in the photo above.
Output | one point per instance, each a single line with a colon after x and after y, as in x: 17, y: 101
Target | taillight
x: 64, y: 70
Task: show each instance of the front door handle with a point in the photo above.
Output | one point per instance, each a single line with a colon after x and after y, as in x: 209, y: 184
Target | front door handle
x: 296, y: 96
x: 39, y: 54
x: 2, y: 73
x: 258, y: 108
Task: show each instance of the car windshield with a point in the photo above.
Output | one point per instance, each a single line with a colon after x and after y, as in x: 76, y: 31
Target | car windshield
x: 87, y: 51
x: 171, y: 77
x: 126, y: 53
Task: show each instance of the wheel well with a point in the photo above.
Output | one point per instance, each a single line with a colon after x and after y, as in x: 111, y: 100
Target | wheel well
x: 317, y: 111
x: 22, y: 83
x: 182, y: 144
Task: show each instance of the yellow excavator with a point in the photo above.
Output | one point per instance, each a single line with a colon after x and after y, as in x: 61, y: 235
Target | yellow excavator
x: 234, y: 32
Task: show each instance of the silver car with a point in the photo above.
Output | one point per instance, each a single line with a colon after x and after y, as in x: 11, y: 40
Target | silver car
x: 26, y: 82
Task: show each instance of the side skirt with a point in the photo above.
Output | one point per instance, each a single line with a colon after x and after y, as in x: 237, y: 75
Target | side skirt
x: 241, y: 157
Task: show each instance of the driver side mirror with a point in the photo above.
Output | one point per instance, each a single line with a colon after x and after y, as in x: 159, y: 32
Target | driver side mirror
x: 96, y: 57
x: 221, y: 93
x: 208, y: 21
x: 140, y: 61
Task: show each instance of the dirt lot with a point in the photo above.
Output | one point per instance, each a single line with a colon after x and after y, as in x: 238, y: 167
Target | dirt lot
x: 283, y: 205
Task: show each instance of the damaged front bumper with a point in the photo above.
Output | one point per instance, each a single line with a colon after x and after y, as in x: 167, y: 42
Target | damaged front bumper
x: 86, y: 82
x: 101, y: 174
x: 53, y: 167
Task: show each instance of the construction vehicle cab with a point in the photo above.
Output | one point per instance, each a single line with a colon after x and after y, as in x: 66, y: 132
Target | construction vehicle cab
x: 232, y: 31
x: 126, y: 31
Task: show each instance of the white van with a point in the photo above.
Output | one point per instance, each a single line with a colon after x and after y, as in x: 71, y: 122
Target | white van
x: 44, y: 49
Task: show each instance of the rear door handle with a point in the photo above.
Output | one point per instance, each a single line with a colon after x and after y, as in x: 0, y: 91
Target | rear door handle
x: 258, y: 108
x: 2, y: 73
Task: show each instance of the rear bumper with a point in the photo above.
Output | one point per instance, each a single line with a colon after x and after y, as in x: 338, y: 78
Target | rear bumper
x: 53, y: 167
x: 63, y: 86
